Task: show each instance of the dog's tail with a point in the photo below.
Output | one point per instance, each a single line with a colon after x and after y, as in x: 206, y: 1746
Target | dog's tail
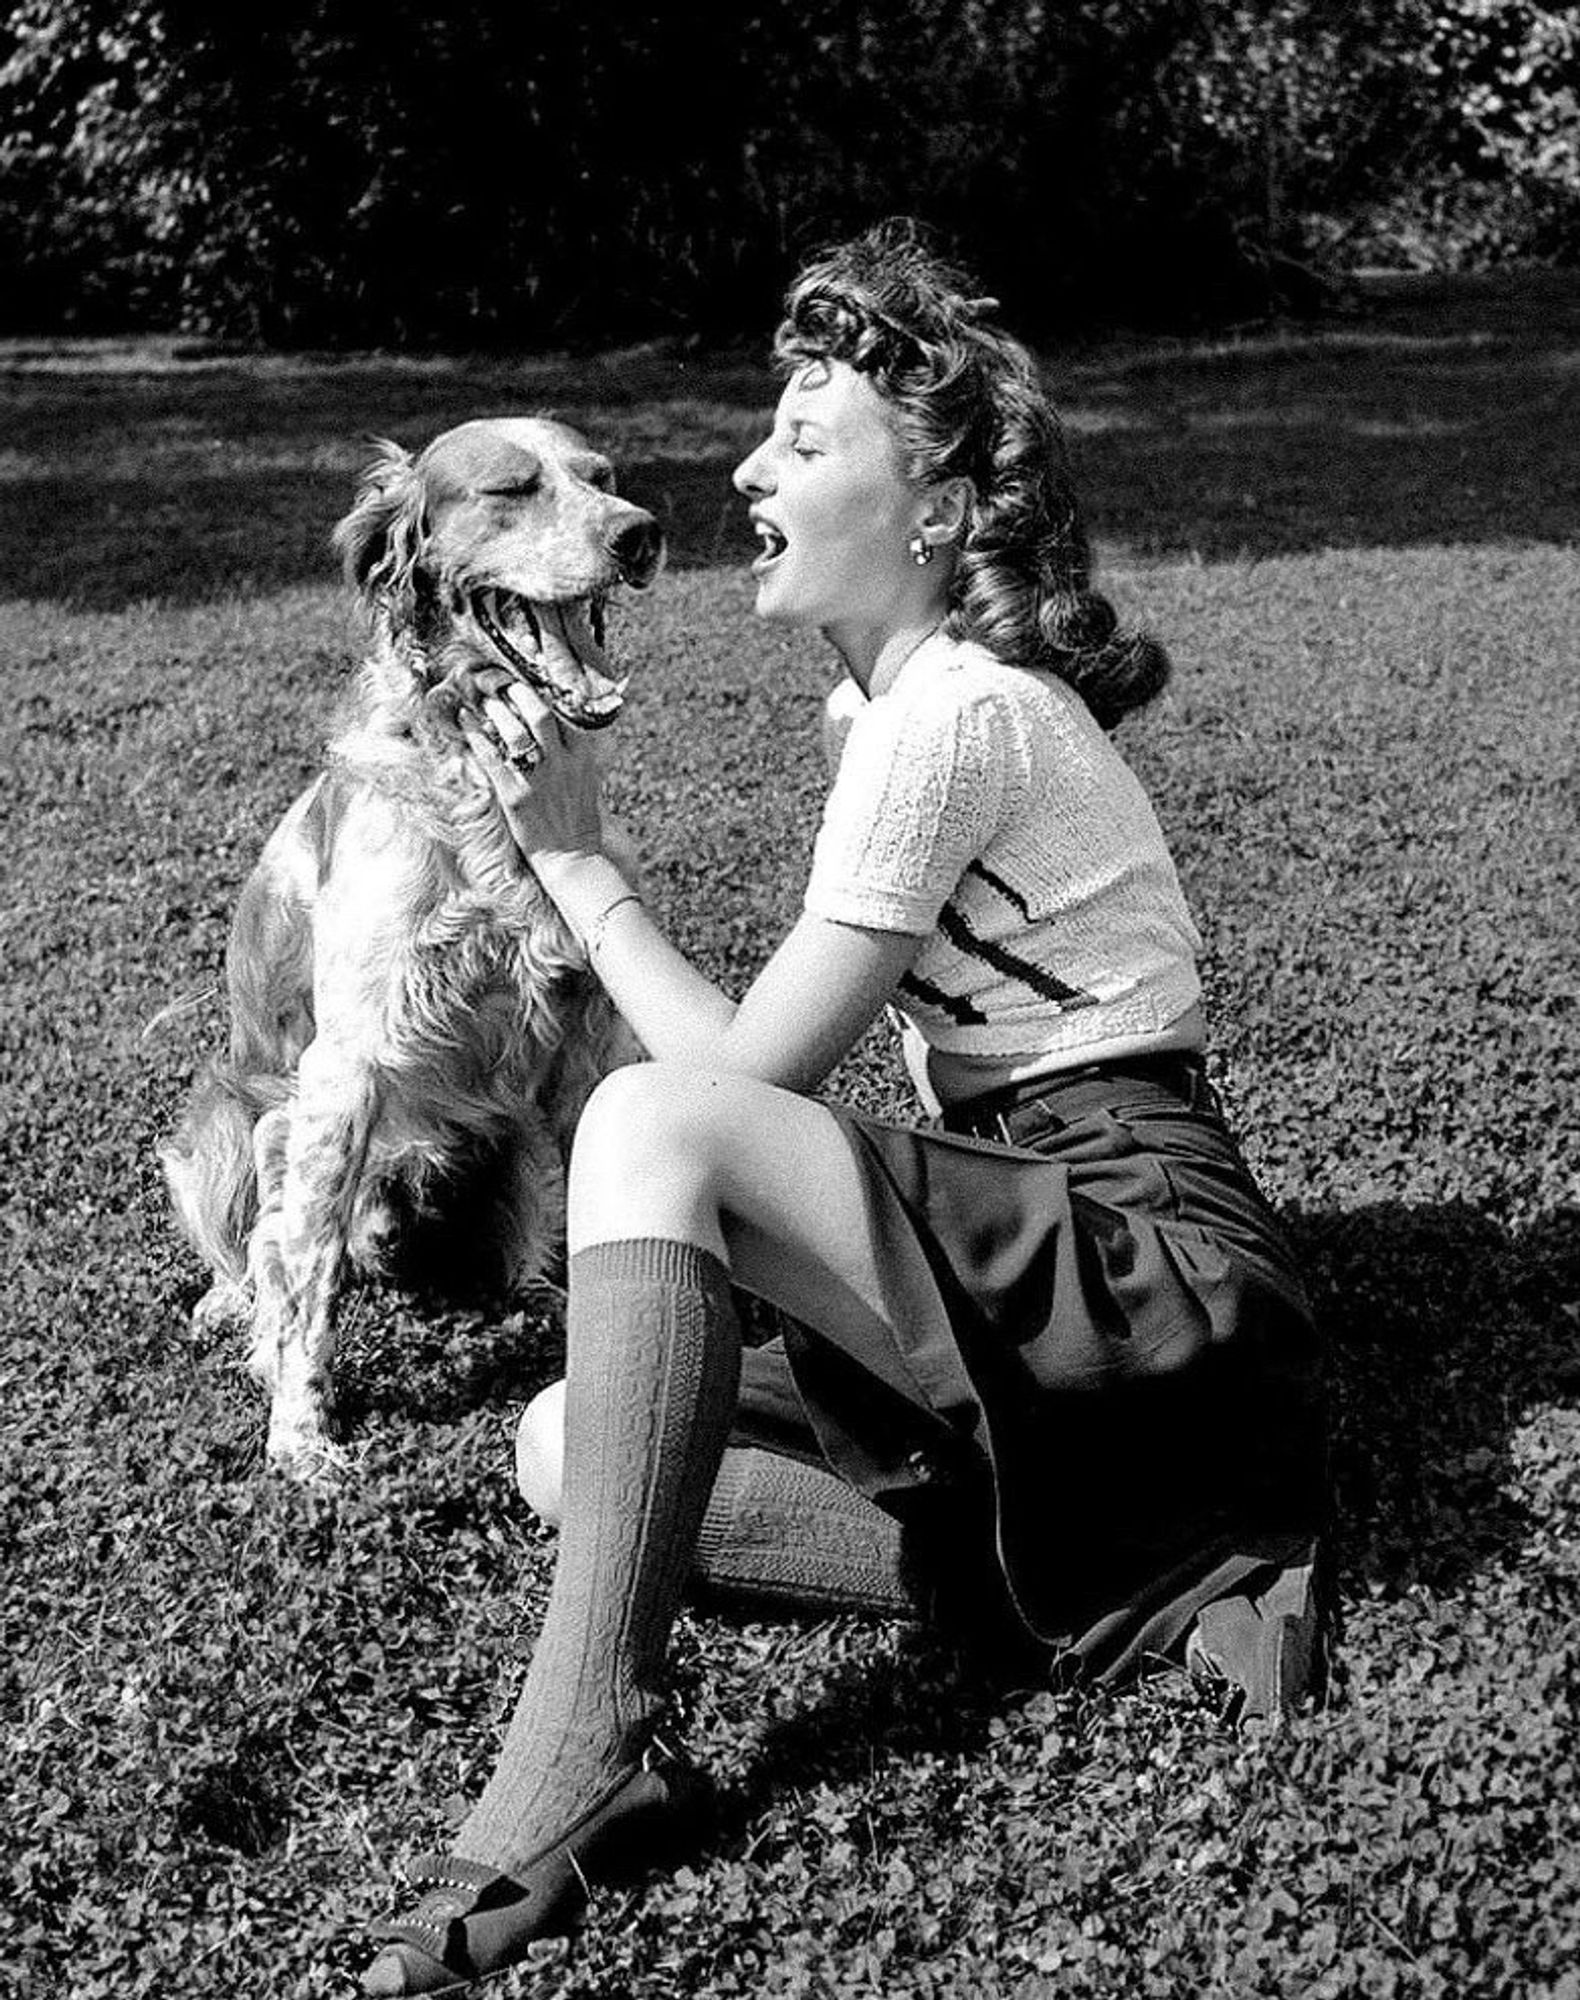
x: 209, y: 1164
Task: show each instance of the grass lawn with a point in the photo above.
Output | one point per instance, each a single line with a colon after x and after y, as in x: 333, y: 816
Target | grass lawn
x: 230, y: 1705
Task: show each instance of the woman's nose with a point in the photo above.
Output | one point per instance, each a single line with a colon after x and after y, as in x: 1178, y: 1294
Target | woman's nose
x: 748, y: 476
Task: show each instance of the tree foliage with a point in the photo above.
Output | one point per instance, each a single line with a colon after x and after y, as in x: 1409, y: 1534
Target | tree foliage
x: 332, y: 171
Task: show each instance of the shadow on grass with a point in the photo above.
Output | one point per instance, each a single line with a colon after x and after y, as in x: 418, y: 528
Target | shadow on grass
x: 417, y: 1358
x: 1446, y: 1331
x: 187, y: 484
x: 1444, y: 412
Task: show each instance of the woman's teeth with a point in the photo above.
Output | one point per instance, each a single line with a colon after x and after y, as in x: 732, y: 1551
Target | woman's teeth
x: 773, y: 545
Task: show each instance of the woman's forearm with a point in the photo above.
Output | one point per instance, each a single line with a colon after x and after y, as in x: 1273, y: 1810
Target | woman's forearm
x: 674, y: 1010
x: 812, y: 1001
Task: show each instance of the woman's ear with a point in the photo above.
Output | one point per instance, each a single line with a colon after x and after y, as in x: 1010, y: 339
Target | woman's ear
x: 378, y: 541
x: 946, y: 511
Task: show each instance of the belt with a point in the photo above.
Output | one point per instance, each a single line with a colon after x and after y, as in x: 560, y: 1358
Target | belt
x: 1042, y: 1103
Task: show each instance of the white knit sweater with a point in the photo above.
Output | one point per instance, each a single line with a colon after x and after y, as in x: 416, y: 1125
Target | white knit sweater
x: 980, y: 806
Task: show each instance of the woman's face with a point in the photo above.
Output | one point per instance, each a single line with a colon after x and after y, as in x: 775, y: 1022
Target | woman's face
x: 832, y: 506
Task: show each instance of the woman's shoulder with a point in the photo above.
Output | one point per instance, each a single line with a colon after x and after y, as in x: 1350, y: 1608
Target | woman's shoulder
x: 955, y: 699
x: 947, y: 674
x: 964, y: 674
x: 944, y: 715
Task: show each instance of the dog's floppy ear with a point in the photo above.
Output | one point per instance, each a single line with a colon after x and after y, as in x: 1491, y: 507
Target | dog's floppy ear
x: 379, y: 540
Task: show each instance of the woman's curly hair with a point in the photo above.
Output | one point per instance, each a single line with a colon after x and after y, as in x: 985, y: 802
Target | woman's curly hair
x: 967, y: 402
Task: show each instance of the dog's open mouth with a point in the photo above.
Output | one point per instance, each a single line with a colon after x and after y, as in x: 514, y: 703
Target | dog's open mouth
x: 558, y: 650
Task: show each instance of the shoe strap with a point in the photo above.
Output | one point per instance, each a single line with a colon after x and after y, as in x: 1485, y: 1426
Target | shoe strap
x: 447, y: 1871
x: 450, y: 1888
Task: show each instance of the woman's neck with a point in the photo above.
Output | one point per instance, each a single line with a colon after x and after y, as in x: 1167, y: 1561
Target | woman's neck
x: 873, y: 659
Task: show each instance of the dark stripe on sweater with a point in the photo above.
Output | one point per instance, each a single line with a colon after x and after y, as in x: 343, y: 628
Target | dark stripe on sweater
x: 958, y: 1009
x: 1007, y: 890
x: 1009, y: 963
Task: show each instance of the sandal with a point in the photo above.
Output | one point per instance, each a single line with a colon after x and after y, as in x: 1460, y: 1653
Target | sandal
x: 1264, y: 1651
x: 471, y: 1920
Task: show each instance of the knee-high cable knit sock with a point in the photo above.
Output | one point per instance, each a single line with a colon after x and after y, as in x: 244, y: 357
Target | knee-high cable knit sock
x: 791, y: 1533
x: 653, y: 1369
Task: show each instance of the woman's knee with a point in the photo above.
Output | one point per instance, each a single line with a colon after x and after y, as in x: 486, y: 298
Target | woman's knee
x: 540, y: 1453
x: 649, y: 1128
x: 648, y: 1105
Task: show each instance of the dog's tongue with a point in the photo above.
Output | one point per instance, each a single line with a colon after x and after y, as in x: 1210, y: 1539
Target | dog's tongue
x: 595, y: 690
x: 566, y: 628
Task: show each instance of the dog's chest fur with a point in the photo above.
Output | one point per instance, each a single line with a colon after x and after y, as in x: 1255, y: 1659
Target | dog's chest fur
x: 427, y: 930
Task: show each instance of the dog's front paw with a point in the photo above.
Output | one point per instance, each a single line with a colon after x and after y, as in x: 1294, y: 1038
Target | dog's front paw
x: 225, y: 1308
x: 307, y: 1455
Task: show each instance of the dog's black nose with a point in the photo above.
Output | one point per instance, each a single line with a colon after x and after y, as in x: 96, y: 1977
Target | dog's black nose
x: 638, y: 548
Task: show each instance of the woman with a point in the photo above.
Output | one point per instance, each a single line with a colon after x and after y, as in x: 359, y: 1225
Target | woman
x: 1059, y: 1322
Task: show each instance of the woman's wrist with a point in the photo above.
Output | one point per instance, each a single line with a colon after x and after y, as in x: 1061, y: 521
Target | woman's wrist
x: 593, y: 936
x: 583, y: 887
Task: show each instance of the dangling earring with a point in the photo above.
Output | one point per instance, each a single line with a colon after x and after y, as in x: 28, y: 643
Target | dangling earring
x: 921, y: 550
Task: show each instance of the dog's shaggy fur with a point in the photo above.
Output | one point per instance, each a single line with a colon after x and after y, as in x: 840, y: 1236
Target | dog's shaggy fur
x: 414, y: 1030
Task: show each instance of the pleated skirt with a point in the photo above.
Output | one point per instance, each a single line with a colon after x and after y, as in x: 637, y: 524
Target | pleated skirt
x: 1099, y: 1341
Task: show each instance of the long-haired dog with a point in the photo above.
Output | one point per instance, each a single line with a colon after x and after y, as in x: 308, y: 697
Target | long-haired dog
x: 413, y: 1029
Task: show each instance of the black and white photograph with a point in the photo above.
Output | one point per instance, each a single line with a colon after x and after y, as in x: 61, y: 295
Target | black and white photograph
x: 790, y: 1045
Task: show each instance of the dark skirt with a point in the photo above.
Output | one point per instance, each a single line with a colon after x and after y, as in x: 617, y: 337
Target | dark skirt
x: 1099, y: 1333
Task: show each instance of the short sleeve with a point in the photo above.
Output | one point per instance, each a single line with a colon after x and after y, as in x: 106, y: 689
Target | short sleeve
x: 920, y: 792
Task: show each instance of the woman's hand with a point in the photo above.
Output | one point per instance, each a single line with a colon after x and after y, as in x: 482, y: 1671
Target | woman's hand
x: 805, y: 1010
x: 546, y: 777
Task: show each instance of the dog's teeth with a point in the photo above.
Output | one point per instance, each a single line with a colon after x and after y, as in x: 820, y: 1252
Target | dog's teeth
x: 525, y: 631
x: 514, y: 617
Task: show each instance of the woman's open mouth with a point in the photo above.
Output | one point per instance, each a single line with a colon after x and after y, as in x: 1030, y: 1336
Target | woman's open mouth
x: 773, y: 547
x: 556, y: 648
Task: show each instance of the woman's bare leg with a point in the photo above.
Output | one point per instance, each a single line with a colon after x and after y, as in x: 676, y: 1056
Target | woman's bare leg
x: 760, y: 1176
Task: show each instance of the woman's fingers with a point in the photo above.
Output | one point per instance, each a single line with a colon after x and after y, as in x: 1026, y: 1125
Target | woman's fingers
x: 522, y: 723
x: 517, y: 738
x: 508, y: 779
x: 539, y: 772
x: 535, y: 713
